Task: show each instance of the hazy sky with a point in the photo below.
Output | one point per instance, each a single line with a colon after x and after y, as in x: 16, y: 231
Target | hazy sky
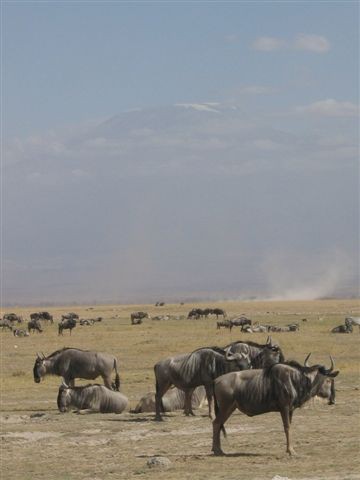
x: 157, y: 149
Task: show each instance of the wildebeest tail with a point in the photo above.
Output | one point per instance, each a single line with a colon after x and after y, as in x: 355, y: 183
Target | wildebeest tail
x: 117, y: 377
x: 216, y: 408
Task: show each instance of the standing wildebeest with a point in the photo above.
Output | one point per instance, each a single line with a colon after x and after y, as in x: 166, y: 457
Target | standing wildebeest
x: 174, y: 399
x: 343, y: 329
x: 225, y: 323
x: 195, y: 313
x: 71, y: 363
x: 279, y: 388
x: 69, y: 315
x: 241, y: 321
x: 260, y: 356
x: 6, y: 324
x: 34, y: 326
x: 190, y: 370
x: 92, y: 398
x: 42, y: 316
x: 68, y: 324
x: 218, y: 311
x: 352, y: 321
x: 137, y: 317
x: 12, y: 318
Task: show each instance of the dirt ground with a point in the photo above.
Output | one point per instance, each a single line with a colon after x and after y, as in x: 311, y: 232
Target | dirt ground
x: 38, y: 442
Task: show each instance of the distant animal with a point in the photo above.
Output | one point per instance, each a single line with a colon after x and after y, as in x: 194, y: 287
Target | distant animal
x: 91, y: 398
x: 6, y: 324
x: 85, y: 321
x: 34, y: 326
x: 71, y: 363
x: 12, y: 318
x: 68, y: 324
x: 239, y: 322
x: 195, y: 313
x: 293, y: 327
x: 225, y: 323
x: 260, y: 355
x: 18, y: 332
x: 352, y: 321
x: 42, y: 316
x: 69, y: 315
x: 159, y: 304
x: 254, y: 329
x: 137, y: 317
x: 343, y: 329
x: 280, y: 388
x: 173, y: 399
x: 191, y: 370
x: 218, y: 312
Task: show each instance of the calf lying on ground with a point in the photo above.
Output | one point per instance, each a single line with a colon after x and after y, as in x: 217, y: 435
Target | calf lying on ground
x: 174, y: 399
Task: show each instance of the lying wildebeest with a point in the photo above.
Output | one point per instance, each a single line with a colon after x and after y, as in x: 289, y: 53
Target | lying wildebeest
x: 225, y: 323
x: 34, y: 326
x: 279, y: 388
x: 174, y: 399
x: 19, y: 332
x: 254, y: 329
x: 68, y: 324
x: 260, y: 355
x: 71, y: 363
x: 191, y: 370
x: 352, y: 321
x: 342, y: 329
x: 85, y: 321
x: 91, y: 398
x: 137, y: 317
x: 42, y: 316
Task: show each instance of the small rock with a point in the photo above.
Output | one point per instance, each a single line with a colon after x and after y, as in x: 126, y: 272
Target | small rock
x: 278, y: 477
x: 158, y: 462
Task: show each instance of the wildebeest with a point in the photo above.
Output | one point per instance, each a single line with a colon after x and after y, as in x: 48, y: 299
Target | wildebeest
x: 69, y: 315
x: 34, y: 326
x: 260, y: 355
x: 91, y: 398
x: 293, y: 327
x: 173, y: 399
x: 343, y: 329
x: 282, y: 388
x: 352, y: 321
x: 13, y: 318
x: 254, y: 329
x: 195, y: 313
x: 137, y: 317
x: 6, y: 324
x: 68, y: 324
x: 42, y: 316
x: 191, y: 370
x: 19, y: 332
x: 239, y: 322
x: 225, y: 323
x: 85, y: 321
x: 71, y: 363
x: 218, y: 311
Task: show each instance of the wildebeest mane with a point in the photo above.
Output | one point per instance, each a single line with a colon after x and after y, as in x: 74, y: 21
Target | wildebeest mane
x: 57, y: 352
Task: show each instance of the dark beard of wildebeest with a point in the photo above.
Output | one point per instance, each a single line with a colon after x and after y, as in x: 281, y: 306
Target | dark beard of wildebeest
x: 191, y: 370
x: 94, y: 398
x: 71, y: 363
x: 283, y: 387
x: 260, y: 356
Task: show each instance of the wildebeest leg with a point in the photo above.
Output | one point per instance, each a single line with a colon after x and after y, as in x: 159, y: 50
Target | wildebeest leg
x: 107, y: 382
x: 160, y: 391
x: 286, y: 418
x: 187, y: 403
x: 218, y: 424
x: 209, y: 389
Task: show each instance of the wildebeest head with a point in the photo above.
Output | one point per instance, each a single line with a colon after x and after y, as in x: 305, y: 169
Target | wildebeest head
x: 272, y: 353
x: 39, y: 368
x: 241, y: 360
x: 63, y: 398
x: 325, y: 380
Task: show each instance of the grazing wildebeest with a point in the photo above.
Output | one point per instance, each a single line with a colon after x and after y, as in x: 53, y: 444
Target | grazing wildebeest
x: 225, y: 323
x: 6, y: 324
x: 218, y: 311
x: 260, y: 355
x: 91, y: 398
x: 42, y: 316
x: 282, y: 388
x: 68, y: 324
x: 71, y: 363
x: 34, y: 326
x: 342, y: 329
x: 191, y: 370
x: 12, y: 318
x: 136, y: 316
x: 195, y: 313
x: 352, y: 321
x: 174, y: 399
x: 69, y: 315
x: 19, y: 332
x: 241, y: 321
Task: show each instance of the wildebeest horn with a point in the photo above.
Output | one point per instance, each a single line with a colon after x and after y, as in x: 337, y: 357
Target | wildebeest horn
x: 332, y: 364
x: 43, y: 355
x: 269, y: 341
x: 64, y: 384
x: 306, y: 361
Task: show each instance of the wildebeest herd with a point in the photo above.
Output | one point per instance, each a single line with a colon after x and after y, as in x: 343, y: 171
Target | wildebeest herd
x: 251, y: 377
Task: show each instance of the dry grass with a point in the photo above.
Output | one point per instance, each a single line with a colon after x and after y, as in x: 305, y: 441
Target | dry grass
x: 69, y: 446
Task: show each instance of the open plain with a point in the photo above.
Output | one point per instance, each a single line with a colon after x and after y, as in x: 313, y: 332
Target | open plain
x: 38, y: 442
